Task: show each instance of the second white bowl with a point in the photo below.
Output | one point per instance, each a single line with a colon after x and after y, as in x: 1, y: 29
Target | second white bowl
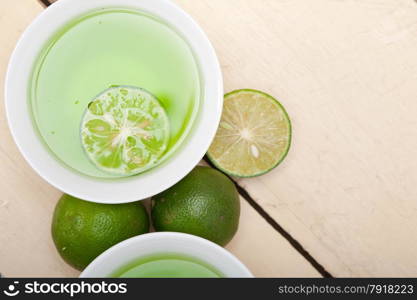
x: 166, y: 242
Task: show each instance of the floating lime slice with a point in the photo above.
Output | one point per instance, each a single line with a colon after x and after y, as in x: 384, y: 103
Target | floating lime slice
x: 125, y: 130
x: 254, y: 134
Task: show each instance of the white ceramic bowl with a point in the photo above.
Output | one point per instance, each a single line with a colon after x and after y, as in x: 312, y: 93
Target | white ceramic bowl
x: 138, y: 187
x: 166, y: 242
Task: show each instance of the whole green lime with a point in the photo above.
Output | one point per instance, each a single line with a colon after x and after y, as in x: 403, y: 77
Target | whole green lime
x: 82, y: 230
x: 204, y: 203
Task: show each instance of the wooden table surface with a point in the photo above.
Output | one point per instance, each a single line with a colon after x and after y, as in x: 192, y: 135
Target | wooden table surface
x: 344, y: 202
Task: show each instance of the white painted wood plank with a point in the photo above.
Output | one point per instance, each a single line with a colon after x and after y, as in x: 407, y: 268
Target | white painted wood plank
x: 346, y: 71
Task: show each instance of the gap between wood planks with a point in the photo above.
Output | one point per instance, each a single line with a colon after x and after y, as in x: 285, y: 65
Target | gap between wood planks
x: 293, y: 242
x: 46, y: 2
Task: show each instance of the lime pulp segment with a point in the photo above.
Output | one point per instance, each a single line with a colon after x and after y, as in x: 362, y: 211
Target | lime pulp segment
x: 254, y: 134
x: 125, y: 130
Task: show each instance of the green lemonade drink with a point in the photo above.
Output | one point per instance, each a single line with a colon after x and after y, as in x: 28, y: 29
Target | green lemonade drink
x: 100, y: 51
x: 167, y: 266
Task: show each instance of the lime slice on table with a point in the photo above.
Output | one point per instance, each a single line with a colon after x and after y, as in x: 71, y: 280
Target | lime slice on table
x: 125, y: 130
x: 254, y: 134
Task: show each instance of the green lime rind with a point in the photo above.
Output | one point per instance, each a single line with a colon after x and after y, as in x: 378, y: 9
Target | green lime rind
x: 204, y: 203
x: 82, y: 230
x: 125, y: 130
x: 283, y: 153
